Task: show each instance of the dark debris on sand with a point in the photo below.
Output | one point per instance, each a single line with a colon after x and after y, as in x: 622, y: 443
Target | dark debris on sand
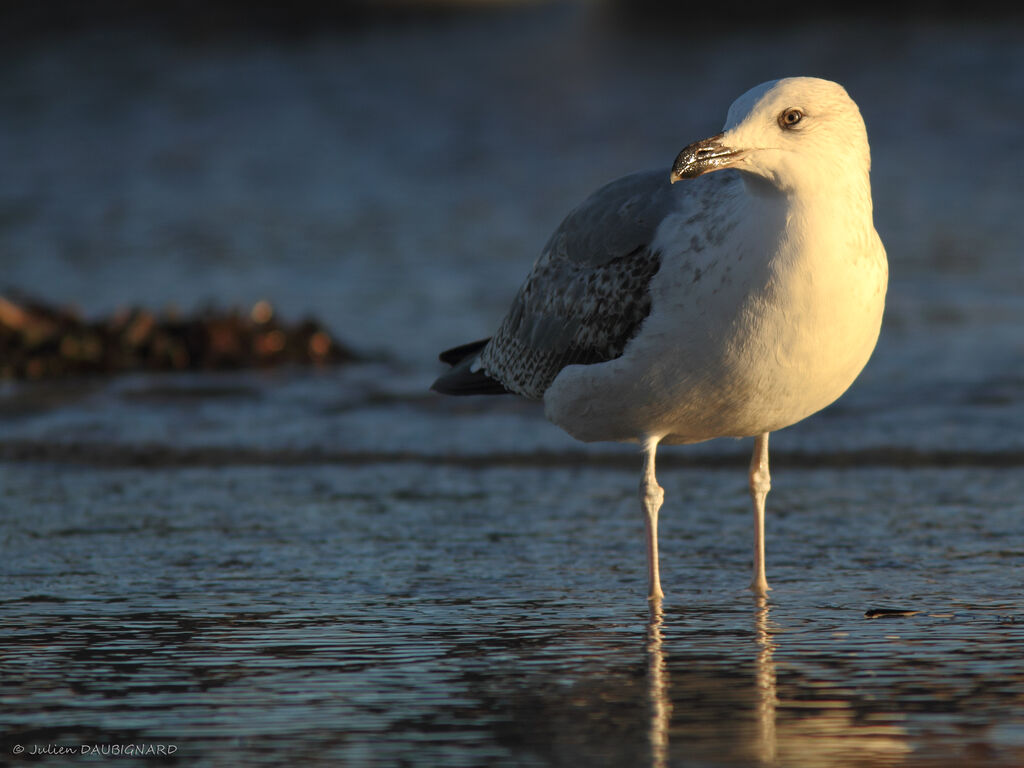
x: 40, y: 341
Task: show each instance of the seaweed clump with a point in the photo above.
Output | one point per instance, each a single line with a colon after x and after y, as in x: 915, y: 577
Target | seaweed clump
x: 40, y: 341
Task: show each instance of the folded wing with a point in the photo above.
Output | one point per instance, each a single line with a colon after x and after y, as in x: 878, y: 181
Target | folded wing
x: 584, y: 300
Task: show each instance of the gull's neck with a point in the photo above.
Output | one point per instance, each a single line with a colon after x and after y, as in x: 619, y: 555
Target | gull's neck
x: 836, y: 202
x: 816, y: 224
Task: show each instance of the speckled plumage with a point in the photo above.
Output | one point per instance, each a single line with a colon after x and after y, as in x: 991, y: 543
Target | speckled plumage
x: 587, y: 294
x: 584, y: 300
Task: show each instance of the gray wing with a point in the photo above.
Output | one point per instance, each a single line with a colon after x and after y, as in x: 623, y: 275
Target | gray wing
x: 587, y: 294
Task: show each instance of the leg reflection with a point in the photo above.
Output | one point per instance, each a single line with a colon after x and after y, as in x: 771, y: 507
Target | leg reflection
x: 767, y: 697
x: 657, y: 677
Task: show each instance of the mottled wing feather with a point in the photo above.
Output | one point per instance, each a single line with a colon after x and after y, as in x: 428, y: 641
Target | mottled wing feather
x: 587, y: 294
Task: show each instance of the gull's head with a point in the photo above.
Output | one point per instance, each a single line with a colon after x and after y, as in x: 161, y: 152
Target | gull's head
x: 800, y: 134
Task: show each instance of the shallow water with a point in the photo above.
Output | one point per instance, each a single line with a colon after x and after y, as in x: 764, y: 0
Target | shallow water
x: 336, y: 567
x: 444, y: 615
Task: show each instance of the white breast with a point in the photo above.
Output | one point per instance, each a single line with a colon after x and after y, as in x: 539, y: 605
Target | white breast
x: 747, y: 333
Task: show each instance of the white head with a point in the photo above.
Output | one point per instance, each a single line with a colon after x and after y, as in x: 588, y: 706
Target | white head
x: 802, y: 135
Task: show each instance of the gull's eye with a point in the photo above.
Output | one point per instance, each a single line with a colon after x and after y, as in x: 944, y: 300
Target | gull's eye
x: 790, y: 117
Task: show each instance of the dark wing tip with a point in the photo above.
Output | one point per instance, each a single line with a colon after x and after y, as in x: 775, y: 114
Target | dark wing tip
x: 456, y: 355
x: 463, y: 382
x: 460, y: 380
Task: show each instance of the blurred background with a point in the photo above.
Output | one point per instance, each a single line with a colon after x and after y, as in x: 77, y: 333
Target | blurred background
x: 331, y: 562
x: 393, y: 168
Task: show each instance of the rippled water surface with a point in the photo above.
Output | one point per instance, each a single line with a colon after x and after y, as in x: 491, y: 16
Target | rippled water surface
x: 451, y: 616
x: 335, y: 567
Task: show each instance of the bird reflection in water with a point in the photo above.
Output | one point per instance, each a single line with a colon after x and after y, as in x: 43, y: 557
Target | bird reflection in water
x: 767, y: 697
x: 657, y: 675
x: 660, y: 700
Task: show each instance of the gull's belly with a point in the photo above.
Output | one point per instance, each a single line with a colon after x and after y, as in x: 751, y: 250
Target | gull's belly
x: 776, y: 372
x: 748, y: 361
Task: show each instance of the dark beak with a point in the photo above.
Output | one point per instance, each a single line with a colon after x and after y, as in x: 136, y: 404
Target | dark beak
x: 702, y: 157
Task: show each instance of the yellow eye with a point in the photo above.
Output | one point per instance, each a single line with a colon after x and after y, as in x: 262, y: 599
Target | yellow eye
x: 790, y: 117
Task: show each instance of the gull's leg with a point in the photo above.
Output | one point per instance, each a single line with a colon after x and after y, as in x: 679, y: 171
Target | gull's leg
x: 651, y: 496
x: 760, y: 484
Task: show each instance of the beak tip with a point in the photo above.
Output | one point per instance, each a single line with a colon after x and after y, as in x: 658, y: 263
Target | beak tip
x: 703, y: 157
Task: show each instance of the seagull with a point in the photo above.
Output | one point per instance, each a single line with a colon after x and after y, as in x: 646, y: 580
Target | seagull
x: 733, y: 296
